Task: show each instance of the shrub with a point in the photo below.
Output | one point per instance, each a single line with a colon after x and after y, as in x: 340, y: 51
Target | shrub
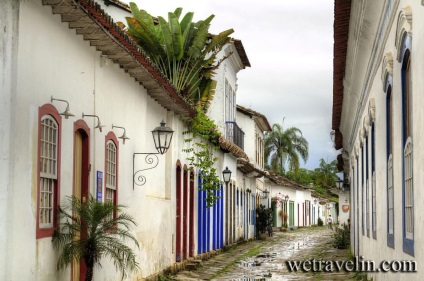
x: 342, y: 237
x: 264, y: 219
x: 320, y: 222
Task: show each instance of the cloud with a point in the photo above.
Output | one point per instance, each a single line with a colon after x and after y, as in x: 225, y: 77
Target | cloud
x: 290, y: 47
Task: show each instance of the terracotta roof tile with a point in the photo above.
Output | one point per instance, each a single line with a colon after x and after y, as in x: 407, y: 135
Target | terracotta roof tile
x: 341, y: 34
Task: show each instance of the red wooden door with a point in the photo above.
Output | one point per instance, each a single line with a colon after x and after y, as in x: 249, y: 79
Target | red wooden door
x: 178, y: 216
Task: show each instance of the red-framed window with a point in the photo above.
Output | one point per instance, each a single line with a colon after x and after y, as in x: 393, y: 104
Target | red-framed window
x: 48, y: 170
x: 111, y: 168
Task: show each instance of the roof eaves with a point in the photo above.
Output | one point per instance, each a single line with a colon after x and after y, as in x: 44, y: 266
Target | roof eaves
x: 241, y: 52
x: 90, y: 21
x: 341, y: 35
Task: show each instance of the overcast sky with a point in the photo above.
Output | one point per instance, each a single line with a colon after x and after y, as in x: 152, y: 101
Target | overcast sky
x: 290, y: 48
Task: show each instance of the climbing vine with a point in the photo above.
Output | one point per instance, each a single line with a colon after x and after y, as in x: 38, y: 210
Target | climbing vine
x: 202, y: 139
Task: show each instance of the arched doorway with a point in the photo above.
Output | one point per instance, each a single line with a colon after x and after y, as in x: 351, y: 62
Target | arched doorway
x: 81, y: 180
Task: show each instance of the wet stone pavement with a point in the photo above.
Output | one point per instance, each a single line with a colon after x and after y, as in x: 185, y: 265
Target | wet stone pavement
x: 264, y: 260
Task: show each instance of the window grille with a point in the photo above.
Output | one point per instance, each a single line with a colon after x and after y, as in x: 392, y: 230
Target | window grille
x: 48, y: 170
x: 390, y: 193
x: 110, y: 172
x: 409, y: 200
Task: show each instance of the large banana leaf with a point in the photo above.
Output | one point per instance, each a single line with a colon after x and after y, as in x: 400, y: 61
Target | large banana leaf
x: 177, y: 38
x: 183, y: 50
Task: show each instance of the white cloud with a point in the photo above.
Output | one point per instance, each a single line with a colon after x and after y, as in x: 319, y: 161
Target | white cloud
x: 290, y: 47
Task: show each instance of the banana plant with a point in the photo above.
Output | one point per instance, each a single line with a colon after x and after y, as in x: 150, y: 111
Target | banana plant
x: 184, y: 51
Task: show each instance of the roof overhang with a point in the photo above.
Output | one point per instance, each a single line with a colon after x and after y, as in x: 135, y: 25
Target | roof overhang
x: 341, y: 33
x: 99, y: 29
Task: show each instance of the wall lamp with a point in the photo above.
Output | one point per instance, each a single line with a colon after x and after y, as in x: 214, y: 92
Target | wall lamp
x: 162, y: 137
x: 99, y: 125
x: 124, y: 135
x: 226, y: 175
x: 66, y: 113
x: 265, y: 194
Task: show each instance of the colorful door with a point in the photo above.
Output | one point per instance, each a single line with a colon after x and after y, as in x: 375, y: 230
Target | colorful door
x: 291, y: 213
x: 178, y: 216
x: 81, y: 182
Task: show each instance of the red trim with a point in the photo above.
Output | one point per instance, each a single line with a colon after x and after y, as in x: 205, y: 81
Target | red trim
x: 191, y: 231
x: 44, y: 110
x: 178, y: 213
x: 83, y: 128
x: 298, y: 215
x: 185, y: 212
x: 111, y: 137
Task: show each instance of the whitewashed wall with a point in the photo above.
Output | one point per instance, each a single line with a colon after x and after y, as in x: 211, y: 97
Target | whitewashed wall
x: 358, y: 67
x: 54, y: 61
x: 8, y: 79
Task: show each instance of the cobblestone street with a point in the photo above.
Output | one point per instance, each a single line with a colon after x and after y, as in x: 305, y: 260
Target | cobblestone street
x: 265, y: 259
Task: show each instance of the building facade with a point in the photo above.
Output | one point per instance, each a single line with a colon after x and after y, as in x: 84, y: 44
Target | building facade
x: 79, y: 102
x: 376, y: 117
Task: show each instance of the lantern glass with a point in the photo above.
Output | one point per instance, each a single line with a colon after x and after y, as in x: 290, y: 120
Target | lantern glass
x: 162, y: 137
x: 226, y: 174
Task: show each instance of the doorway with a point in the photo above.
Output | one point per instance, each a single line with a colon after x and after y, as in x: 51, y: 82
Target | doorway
x: 81, y: 181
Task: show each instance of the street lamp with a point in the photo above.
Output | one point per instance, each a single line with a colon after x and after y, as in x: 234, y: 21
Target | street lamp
x: 339, y: 183
x: 162, y: 137
x: 226, y: 174
x: 265, y: 194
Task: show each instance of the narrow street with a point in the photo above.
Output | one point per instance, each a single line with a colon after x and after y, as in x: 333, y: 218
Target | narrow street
x: 265, y: 259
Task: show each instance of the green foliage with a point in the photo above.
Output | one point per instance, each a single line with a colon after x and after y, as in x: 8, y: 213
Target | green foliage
x: 264, y: 219
x: 92, y: 230
x: 285, y: 147
x: 320, y: 222
x: 342, y: 237
x: 326, y: 174
x: 183, y: 50
x: 303, y: 176
x: 202, y: 138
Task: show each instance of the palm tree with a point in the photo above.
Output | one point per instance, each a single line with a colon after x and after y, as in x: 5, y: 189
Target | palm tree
x: 326, y: 174
x: 183, y: 50
x: 92, y: 230
x: 285, y: 146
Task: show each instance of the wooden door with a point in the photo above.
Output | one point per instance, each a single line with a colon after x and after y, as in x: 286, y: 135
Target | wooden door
x: 81, y: 181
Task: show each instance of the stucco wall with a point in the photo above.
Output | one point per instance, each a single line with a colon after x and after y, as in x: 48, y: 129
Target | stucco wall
x: 8, y: 60
x: 377, y: 249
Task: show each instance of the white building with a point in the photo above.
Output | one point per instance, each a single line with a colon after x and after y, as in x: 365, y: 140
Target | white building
x: 254, y: 125
x: 57, y: 54
x: 378, y: 62
x: 303, y: 207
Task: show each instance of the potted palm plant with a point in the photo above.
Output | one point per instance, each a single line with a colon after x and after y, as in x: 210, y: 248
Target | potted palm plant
x: 92, y: 230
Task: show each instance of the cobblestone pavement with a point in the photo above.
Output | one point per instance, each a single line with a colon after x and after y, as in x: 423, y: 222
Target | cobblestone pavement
x: 265, y: 259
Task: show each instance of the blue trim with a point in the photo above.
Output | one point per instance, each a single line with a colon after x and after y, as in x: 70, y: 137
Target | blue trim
x: 357, y: 204
x: 362, y: 188
x: 373, y: 219
x: 222, y: 215
x: 208, y: 227
x: 353, y: 211
x: 199, y: 216
x: 408, y: 244
x: 388, y: 87
x: 214, y: 224
x: 367, y: 194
